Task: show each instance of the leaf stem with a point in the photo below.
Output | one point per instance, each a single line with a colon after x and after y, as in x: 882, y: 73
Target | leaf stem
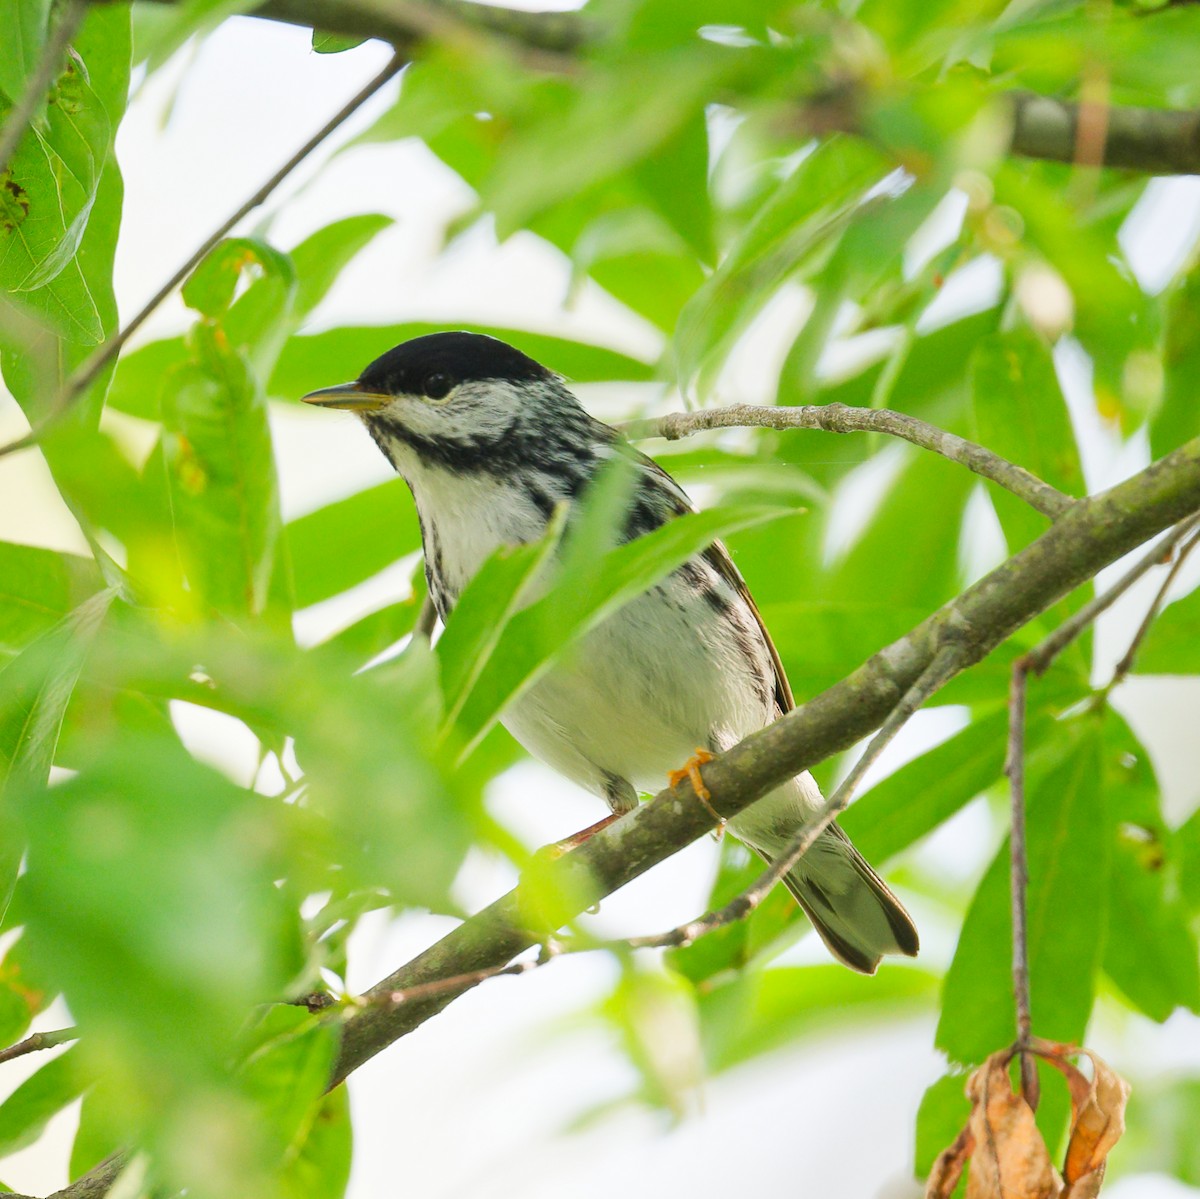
x: 37, y: 1041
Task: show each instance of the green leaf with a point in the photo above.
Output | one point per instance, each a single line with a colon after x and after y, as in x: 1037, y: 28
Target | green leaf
x: 496, y: 594
x: 820, y: 641
x: 924, y: 793
x: 348, y: 541
x: 1173, y: 644
x: 37, y: 588
x: 940, y: 1118
x: 1177, y: 418
x: 622, y: 118
x: 1151, y: 953
x: 35, y: 688
x: 287, y: 1074
x: 536, y: 636
x: 210, y: 288
x: 1069, y: 838
x: 217, y: 449
x: 334, y: 43
x: 754, y: 1013
x: 321, y: 1164
x: 22, y: 33
x: 1019, y: 413
x: 322, y: 256
x: 26, y: 1112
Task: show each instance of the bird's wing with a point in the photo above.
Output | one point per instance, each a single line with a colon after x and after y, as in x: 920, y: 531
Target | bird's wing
x: 717, y: 556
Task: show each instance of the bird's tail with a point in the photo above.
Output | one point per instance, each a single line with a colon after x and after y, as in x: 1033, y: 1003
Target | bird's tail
x: 850, y: 906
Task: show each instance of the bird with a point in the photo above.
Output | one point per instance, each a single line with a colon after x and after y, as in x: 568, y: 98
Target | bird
x: 491, y: 443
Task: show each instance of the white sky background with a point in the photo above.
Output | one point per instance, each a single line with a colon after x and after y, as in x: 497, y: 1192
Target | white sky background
x: 474, y: 1101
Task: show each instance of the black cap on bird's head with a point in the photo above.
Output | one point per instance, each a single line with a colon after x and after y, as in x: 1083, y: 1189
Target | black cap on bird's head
x: 466, y: 403
x: 432, y: 367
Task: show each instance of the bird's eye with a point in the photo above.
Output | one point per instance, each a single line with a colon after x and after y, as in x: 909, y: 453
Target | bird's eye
x: 437, y: 386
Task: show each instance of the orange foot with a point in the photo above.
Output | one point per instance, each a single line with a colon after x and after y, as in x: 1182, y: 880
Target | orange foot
x: 691, y: 771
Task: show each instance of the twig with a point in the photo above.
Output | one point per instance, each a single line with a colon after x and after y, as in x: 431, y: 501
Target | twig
x: 23, y: 111
x: 1125, y: 665
x: 837, y: 418
x: 472, y: 978
x: 1040, y: 657
x: 1037, y: 661
x: 1014, y: 768
x: 36, y: 1041
x: 105, y: 353
x: 944, y: 665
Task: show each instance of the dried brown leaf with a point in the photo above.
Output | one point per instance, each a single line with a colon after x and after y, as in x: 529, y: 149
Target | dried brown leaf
x: 1097, y: 1111
x: 948, y: 1168
x: 1010, y: 1159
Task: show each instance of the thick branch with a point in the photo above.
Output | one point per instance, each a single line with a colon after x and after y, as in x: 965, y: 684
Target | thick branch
x: 1154, y: 140
x: 1159, y: 141
x: 837, y: 418
x: 1091, y: 534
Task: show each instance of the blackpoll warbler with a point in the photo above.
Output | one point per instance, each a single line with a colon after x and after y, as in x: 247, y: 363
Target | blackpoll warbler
x: 489, y: 442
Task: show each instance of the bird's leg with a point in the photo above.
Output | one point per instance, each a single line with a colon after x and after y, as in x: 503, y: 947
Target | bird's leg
x: 691, y: 770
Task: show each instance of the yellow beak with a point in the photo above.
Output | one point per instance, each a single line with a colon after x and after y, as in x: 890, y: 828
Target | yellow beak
x: 348, y: 395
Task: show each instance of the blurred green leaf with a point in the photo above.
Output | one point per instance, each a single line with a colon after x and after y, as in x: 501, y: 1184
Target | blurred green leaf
x: 26, y: 1112
x: 210, y: 287
x: 322, y: 256
x: 537, y: 635
x: 764, y: 1010
x: 1173, y: 644
x: 37, y: 588
x: 340, y: 545
x: 1177, y: 418
x: 940, y: 1118
x: 1069, y: 849
x: 217, y: 449
x: 320, y: 1166
x: 1020, y: 413
x: 22, y: 32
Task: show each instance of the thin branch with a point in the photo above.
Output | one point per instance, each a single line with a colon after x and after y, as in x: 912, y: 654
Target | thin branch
x: 36, y: 1041
x: 1014, y: 768
x: 837, y: 418
x: 1038, y: 660
x: 90, y: 369
x: 1125, y: 665
x: 46, y: 71
x: 1040, y: 657
x: 938, y: 673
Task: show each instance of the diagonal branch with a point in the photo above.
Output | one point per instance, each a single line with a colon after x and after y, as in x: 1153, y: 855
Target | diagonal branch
x: 1091, y: 534
x: 837, y: 418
